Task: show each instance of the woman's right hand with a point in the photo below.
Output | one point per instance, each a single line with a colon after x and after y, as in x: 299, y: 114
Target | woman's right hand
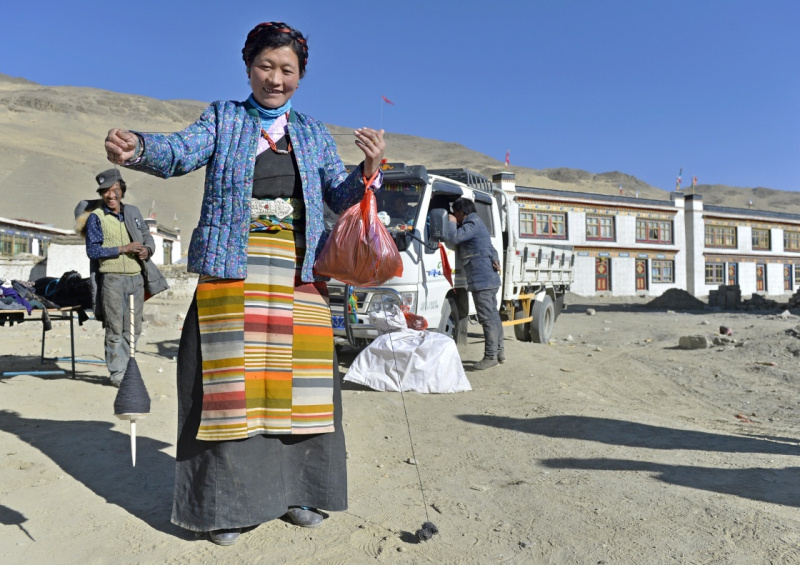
x: 120, y: 145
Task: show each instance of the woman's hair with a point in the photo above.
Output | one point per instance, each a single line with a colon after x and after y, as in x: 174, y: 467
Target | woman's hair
x: 272, y: 35
x: 465, y: 206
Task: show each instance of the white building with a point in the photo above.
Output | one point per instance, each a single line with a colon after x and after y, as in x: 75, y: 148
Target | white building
x: 29, y: 250
x: 758, y: 250
x: 633, y: 246
x: 623, y: 245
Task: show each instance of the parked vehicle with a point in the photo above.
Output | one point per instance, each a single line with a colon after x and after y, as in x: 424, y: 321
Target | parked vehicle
x: 414, y: 204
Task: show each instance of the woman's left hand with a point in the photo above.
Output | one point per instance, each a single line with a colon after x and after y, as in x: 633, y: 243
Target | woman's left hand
x: 371, y: 142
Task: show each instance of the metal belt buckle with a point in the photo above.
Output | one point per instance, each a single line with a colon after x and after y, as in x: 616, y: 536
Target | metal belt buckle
x: 278, y: 208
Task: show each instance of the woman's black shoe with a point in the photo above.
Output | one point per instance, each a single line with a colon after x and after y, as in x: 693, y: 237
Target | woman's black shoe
x: 225, y: 537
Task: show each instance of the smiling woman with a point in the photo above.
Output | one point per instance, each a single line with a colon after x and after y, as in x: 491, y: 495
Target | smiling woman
x: 259, y: 404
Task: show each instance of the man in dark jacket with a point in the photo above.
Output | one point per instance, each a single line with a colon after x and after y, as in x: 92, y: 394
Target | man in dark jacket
x: 119, y: 244
x: 481, y: 266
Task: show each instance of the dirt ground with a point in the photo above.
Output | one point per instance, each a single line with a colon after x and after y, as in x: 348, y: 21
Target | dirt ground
x: 610, y: 445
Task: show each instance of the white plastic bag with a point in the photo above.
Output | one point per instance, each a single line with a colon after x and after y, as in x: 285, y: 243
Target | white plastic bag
x: 420, y: 361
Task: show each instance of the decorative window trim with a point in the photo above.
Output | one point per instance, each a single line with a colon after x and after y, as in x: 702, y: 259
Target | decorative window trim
x: 761, y: 239
x: 720, y: 236
x: 654, y: 231
x: 598, y: 222
x: 662, y: 271
x: 715, y: 273
x: 530, y: 224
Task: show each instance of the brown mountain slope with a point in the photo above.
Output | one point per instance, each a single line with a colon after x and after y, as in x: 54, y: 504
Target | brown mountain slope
x: 51, y: 149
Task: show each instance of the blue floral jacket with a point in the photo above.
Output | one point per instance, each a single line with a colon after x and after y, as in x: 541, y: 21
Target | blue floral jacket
x: 224, y: 140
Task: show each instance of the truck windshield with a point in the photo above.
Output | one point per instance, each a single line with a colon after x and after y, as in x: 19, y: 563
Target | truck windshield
x: 398, y: 204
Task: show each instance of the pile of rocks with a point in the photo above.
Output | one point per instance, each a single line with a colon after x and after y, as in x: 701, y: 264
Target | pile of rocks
x: 727, y: 297
x: 676, y: 299
x: 758, y: 302
x: 794, y: 301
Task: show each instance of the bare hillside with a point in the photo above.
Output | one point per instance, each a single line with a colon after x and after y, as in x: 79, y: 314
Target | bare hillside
x: 51, y: 148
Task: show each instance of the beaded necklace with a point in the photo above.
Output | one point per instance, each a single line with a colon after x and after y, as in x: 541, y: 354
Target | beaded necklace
x: 274, y: 147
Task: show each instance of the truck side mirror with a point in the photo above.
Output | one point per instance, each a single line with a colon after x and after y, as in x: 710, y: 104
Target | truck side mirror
x: 437, y: 224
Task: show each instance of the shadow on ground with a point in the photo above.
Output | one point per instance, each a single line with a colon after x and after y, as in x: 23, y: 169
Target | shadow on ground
x: 778, y: 486
x: 99, y: 457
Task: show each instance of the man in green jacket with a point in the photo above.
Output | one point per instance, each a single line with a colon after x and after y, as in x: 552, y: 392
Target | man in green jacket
x: 119, y: 243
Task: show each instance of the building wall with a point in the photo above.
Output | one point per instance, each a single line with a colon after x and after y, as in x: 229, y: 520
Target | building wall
x: 62, y: 258
x: 22, y: 268
x: 623, y: 250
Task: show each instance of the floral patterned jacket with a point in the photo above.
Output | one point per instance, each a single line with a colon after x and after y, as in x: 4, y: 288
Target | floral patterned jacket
x: 224, y: 140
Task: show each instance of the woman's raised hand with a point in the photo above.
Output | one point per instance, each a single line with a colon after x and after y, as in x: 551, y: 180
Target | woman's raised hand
x: 371, y: 142
x: 120, y: 145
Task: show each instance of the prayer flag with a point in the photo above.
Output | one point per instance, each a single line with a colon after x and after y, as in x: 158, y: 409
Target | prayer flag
x: 387, y: 100
x: 508, y: 158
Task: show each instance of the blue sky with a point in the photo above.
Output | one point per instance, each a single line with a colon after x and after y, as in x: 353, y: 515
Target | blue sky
x: 639, y: 86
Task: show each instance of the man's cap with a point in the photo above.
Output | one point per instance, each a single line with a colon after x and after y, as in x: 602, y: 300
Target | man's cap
x: 107, y: 179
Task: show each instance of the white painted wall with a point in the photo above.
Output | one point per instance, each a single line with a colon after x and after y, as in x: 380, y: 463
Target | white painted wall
x: 62, y: 258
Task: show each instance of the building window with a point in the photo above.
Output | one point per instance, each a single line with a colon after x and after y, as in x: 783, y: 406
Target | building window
x: 663, y: 271
x: 653, y: 231
x: 543, y: 225
x: 11, y: 244
x: 167, y: 252
x: 791, y: 240
x: 600, y: 228
x: 715, y: 273
x: 720, y: 236
x: 761, y: 239
x: 6, y: 245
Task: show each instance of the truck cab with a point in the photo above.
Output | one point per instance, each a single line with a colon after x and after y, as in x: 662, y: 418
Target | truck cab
x: 413, y: 203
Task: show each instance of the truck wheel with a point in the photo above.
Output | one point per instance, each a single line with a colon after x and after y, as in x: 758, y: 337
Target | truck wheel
x: 448, y: 325
x: 521, y: 331
x: 543, y: 319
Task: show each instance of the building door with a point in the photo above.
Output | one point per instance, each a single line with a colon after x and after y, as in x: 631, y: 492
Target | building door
x: 732, y: 274
x: 641, y: 274
x: 787, y: 277
x: 602, y: 273
x: 761, y: 277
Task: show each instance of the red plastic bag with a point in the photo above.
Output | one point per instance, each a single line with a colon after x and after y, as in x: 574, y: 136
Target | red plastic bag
x: 360, y: 251
x: 415, y: 322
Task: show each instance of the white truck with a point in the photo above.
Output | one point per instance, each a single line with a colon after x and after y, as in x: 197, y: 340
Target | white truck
x: 414, y: 204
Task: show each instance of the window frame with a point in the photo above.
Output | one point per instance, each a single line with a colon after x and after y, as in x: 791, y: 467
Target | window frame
x: 599, y: 228
x: 644, y: 232
x: 791, y: 236
x: 723, y: 273
x: 529, y: 226
x: 716, y: 235
x: 765, y: 235
x: 659, y: 276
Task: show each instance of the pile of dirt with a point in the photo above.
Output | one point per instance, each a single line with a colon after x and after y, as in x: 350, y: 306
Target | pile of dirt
x: 676, y: 299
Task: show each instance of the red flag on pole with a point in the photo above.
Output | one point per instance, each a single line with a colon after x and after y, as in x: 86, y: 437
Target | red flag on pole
x: 387, y: 100
x: 508, y: 158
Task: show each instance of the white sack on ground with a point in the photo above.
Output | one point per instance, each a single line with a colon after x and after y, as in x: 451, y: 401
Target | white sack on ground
x: 425, y: 362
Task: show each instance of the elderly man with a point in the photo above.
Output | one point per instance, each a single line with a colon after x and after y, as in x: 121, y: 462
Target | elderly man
x: 119, y: 243
x: 481, y: 265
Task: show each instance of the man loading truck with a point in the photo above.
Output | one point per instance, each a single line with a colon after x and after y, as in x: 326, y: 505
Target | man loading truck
x: 481, y: 264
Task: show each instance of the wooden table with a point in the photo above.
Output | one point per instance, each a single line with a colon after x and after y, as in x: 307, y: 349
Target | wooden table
x: 45, y: 317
